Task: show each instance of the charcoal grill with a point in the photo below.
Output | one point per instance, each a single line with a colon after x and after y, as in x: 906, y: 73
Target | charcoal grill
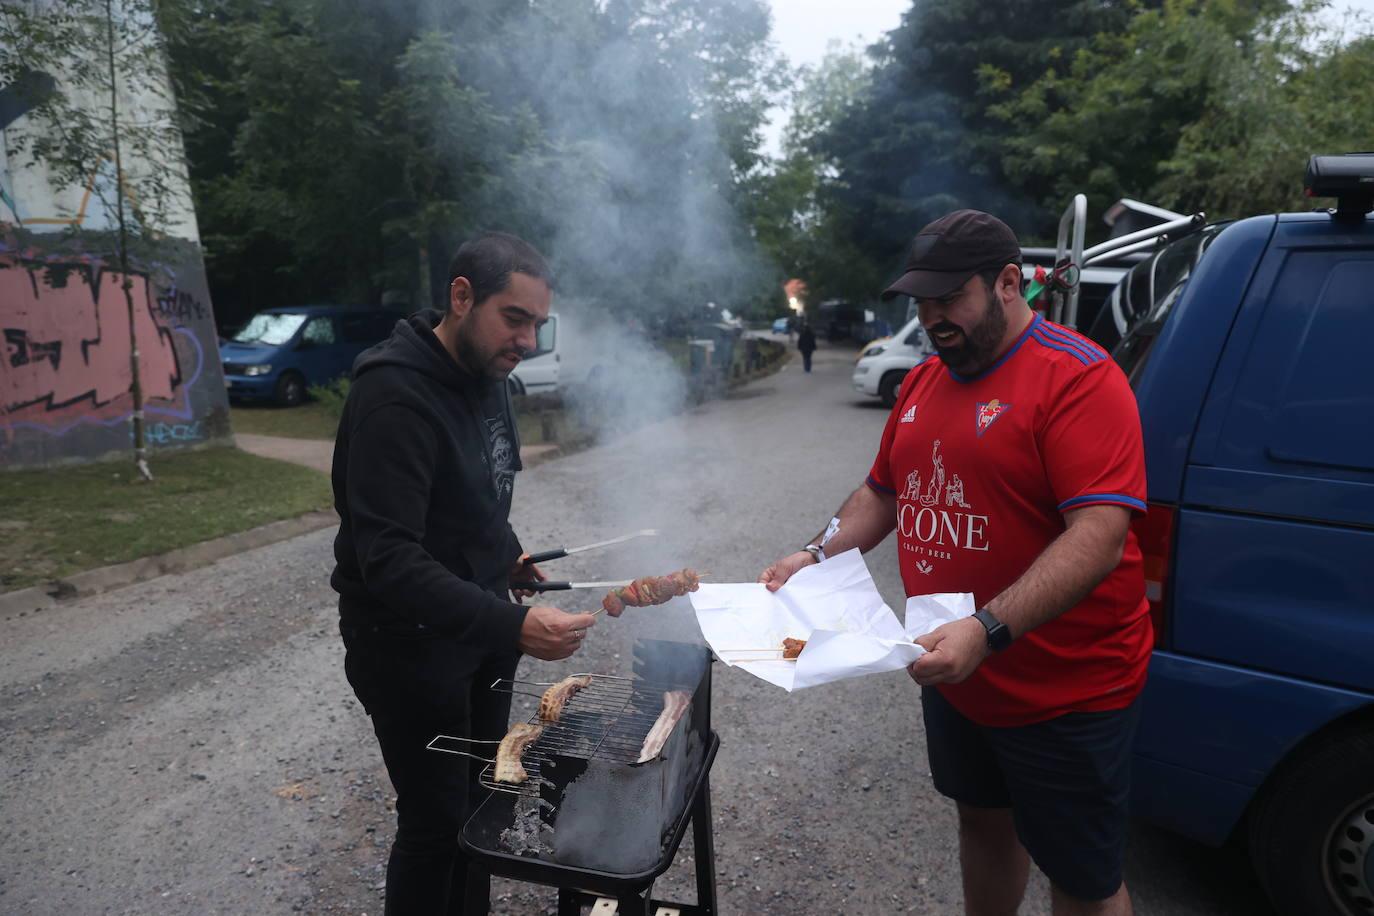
x: 591, y: 820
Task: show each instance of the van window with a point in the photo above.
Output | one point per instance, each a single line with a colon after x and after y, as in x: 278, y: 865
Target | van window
x: 271, y: 328
x: 1148, y: 294
x: 1320, y: 360
x: 320, y: 331
x: 546, y: 337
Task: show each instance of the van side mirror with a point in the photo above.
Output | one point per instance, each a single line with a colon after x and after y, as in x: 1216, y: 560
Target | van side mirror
x: 305, y: 343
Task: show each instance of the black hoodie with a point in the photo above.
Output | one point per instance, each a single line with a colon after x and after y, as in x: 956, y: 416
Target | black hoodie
x: 424, y: 470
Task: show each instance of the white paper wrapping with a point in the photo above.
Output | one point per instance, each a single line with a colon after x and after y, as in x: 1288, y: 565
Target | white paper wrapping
x: 835, y: 606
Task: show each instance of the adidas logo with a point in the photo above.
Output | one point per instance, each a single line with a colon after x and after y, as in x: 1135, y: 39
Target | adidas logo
x: 909, y: 416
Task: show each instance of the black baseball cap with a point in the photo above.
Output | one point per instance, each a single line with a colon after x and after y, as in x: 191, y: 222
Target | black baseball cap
x: 950, y: 250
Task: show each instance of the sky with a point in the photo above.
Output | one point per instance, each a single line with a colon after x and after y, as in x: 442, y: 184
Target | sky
x: 803, y: 28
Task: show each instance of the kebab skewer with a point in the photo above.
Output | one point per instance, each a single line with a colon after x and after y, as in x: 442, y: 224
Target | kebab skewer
x: 650, y: 590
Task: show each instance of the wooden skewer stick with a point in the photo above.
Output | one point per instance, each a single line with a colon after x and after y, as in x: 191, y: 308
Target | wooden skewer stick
x: 763, y: 649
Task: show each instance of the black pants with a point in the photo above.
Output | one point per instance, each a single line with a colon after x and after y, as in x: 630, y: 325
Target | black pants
x: 806, y: 360
x: 435, y: 792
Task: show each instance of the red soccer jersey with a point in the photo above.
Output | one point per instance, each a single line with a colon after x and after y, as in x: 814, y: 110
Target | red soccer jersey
x: 983, y: 468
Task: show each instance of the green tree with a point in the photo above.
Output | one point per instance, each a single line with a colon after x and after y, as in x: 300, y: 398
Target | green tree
x: 1211, y: 106
x: 919, y: 141
x: 1304, y: 90
x: 1105, y: 120
x: 796, y: 209
x: 363, y: 139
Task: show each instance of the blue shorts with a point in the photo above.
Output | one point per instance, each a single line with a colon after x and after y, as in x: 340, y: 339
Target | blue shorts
x: 1065, y: 780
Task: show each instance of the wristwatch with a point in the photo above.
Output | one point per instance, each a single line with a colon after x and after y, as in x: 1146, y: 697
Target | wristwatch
x: 815, y: 551
x: 999, y: 634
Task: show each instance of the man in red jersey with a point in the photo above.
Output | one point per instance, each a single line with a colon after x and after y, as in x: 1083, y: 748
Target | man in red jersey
x: 1010, y: 468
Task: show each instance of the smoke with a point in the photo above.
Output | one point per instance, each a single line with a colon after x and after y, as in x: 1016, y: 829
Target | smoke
x: 615, y: 377
x: 645, y: 112
x: 645, y: 117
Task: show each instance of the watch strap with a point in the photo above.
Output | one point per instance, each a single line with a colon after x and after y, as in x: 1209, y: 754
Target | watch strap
x: 998, y: 633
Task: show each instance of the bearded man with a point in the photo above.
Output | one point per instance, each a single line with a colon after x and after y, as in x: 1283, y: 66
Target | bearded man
x: 424, y: 473
x: 1031, y: 704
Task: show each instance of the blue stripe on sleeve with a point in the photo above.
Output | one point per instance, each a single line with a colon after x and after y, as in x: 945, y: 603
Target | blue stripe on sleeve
x: 1116, y: 498
x: 1068, y: 336
x: 1049, y: 332
x: 1063, y: 348
x: 879, y: 487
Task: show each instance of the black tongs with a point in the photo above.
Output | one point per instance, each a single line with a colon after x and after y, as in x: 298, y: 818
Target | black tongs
x: 547, y: 555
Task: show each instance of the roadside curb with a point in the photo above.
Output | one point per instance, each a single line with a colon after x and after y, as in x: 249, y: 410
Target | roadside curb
x: 106, y: 578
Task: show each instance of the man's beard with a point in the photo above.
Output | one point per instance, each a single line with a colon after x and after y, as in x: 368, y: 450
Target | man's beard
x: 980, y: 344
x: 478, y: 361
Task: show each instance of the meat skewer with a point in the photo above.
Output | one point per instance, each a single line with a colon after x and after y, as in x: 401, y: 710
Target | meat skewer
x: 512, y: 748
x: 556, y: 697
x: 649, y: 590
x: 675, y: 703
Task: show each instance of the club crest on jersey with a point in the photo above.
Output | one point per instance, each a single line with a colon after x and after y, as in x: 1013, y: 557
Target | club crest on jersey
x: 909, y: 416
x: 988, y: 414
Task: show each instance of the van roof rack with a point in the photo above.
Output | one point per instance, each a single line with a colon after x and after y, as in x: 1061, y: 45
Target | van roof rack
x: 1070, y: 255
x: 1348, y: 177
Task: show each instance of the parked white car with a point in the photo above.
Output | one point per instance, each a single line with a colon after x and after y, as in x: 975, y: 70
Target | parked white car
x: 538, y: 372
x: 883, y: 364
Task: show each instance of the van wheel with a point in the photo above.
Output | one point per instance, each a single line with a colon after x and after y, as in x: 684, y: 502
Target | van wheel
x: 291, y: 389
x: 1312, y: 831
x: 513, y: 385
x: 889, y: 386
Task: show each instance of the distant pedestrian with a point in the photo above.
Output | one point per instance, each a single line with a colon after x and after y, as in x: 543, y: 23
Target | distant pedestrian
x: 806, y: 343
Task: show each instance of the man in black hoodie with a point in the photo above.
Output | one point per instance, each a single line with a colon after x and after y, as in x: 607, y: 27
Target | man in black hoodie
x: 424, y: 470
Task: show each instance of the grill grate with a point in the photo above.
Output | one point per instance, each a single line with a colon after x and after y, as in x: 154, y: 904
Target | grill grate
x: 607, y: 720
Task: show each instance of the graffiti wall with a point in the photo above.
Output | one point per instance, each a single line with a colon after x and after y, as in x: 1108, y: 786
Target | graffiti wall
x: 65, y: 368
x: 66, y: 331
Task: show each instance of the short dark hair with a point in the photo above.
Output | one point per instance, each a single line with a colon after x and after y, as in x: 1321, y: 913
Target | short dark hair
x: 488, y: 260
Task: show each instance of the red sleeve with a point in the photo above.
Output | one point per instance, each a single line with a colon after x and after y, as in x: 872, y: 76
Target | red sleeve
x: 880, y: 475
x: 1091, y: 443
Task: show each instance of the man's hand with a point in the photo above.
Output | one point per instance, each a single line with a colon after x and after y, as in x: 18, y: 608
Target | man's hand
x: 551, y: 634
x: 777, y: 575
x: 953, y: 652
x: 524, y: 571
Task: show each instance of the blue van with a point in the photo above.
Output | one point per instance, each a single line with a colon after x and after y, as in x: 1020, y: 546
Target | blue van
x: 281, y: 352
x: 1248, y: 345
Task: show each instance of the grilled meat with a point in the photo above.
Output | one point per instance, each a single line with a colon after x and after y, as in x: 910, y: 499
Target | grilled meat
x: 512, y: 748
x: 556, y: 697
x: 675, y: 703
x: 791, y: 648
x: 648, y: 590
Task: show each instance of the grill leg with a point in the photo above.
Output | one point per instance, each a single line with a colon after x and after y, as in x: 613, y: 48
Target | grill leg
x: 705, y: 848
x: 633, y: 904
x: 569, y: 902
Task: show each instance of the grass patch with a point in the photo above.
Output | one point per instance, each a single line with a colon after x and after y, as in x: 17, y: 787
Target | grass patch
x: 311, y: 420
x: 62, y: 521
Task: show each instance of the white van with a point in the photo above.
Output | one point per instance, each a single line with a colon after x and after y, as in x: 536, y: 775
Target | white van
x: 883, y: 364
x: 538, y: 372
